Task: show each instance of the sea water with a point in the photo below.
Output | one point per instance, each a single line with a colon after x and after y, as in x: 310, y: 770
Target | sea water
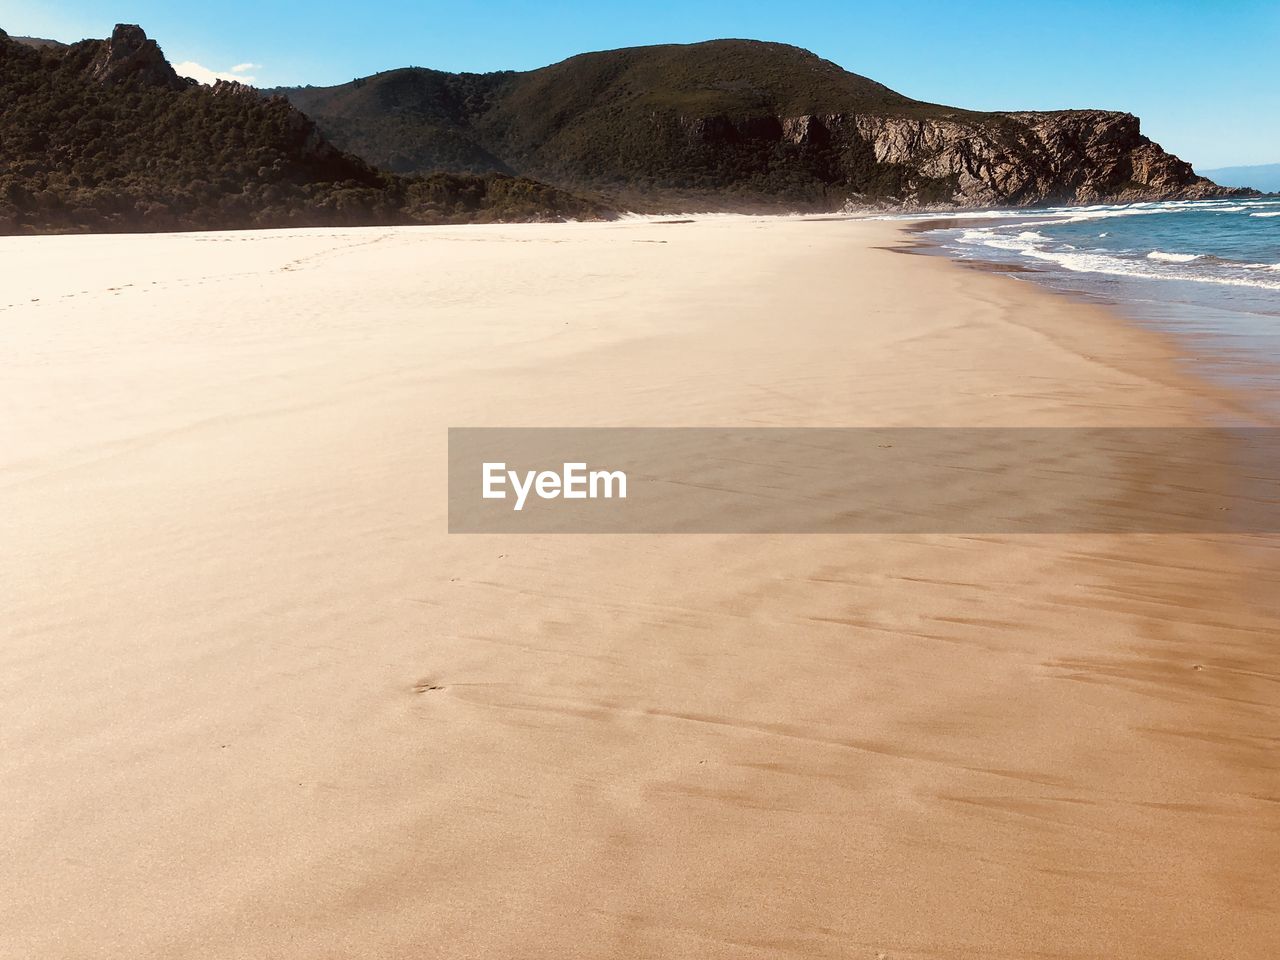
x: 1206, y: 271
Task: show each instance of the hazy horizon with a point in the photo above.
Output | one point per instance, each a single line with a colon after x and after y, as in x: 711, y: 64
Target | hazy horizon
x: 1199, y: 79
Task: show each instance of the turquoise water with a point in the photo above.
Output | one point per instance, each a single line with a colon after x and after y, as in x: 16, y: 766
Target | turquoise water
x: 1207, y: 272
x: 1220, y: 242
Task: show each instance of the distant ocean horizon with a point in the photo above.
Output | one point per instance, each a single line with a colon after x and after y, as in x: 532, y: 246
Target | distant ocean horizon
x: 1205, y: 271
x: 1263, y: 176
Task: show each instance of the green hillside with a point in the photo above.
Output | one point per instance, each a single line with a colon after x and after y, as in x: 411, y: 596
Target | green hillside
x: 103, y: 135
x: 736, y: 124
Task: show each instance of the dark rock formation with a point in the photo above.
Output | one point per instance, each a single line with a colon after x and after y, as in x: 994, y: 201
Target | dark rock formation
x: 129, y: 56
x: 1014, y: 159
x: 1079, y: 156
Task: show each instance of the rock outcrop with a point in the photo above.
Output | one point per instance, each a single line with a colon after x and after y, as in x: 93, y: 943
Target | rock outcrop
x: 128, y: 56
x: 1077, y: 156
x: 1014, y: 159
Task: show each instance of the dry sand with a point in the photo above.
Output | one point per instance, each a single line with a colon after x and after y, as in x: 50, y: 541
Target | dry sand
x: 256, y: 703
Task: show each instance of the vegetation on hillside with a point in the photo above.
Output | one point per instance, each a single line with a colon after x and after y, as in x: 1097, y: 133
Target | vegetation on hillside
x: 103, y: 135
x: 738, y: 124
x: 617, y: 121
x: 88, y: 147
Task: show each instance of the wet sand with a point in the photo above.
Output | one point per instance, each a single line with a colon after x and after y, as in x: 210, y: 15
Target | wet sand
x: 256, y: 702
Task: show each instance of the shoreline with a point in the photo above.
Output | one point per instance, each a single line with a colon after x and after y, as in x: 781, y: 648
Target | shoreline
x: 242, y: 640
x: 1210, y: 357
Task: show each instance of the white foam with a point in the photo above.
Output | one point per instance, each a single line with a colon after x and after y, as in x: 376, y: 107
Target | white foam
x: 1005, y: 214
x: 1018, y: 236
x: 1157, y: 265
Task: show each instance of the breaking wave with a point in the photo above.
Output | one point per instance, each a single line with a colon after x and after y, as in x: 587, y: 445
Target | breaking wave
x: 1223, y: 242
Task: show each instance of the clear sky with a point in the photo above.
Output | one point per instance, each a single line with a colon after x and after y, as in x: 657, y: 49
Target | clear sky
x: 1204, y: 76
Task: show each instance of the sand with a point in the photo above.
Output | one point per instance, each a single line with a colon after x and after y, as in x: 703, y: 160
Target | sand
x: 255, y: 702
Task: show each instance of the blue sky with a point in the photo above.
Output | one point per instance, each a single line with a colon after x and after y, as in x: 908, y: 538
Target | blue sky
x: 1204, y: 76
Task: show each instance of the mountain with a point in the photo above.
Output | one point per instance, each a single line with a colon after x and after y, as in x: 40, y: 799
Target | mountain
x: 737, y: 122
x: 38, y: 42
x: 103, y: 135
x: 1264, y: 177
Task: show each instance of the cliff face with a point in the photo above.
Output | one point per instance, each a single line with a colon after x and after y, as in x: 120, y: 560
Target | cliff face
x: 1016, y: 159
x: 736, y: 123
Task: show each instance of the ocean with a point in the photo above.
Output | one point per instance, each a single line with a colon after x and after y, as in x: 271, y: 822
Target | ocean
x: 1206, y: 272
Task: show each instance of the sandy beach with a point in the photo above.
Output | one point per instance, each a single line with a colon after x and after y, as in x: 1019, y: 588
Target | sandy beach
x: 255, y: 702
